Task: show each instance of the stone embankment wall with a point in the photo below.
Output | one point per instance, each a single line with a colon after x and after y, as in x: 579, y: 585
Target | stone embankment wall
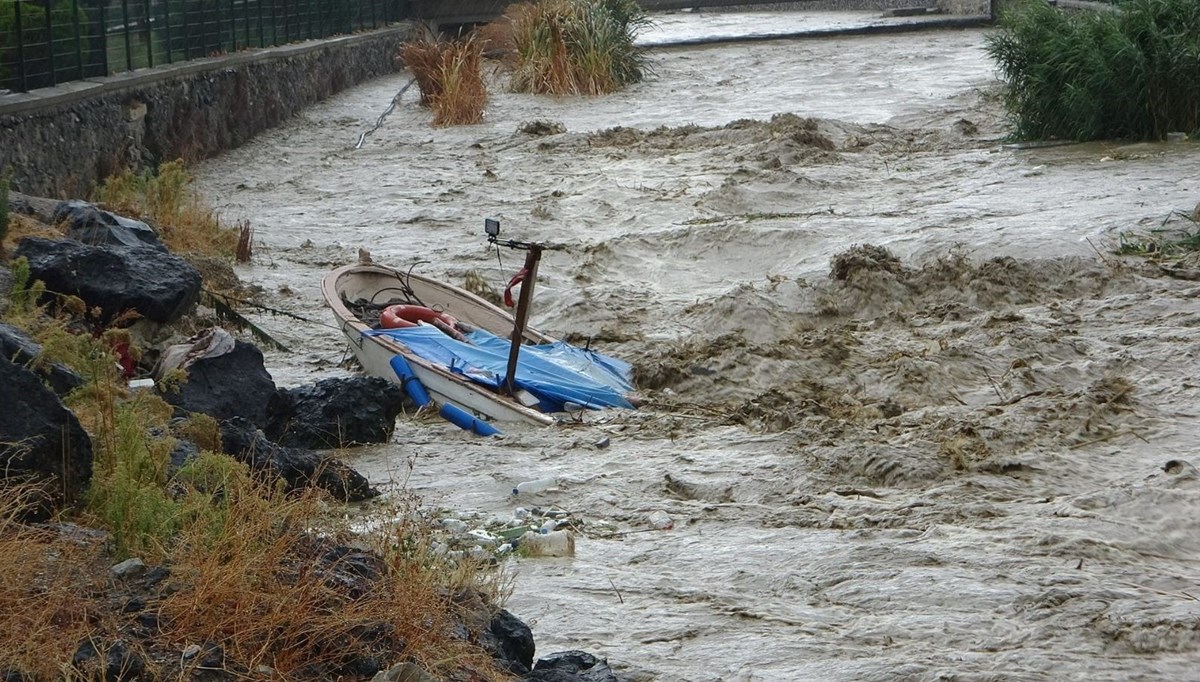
x: 62, y: 141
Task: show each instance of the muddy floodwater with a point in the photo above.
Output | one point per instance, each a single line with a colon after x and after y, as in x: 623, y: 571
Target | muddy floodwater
x: 964, y: 452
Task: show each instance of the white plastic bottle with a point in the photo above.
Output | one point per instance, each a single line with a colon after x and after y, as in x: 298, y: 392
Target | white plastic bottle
x: 534, y: 486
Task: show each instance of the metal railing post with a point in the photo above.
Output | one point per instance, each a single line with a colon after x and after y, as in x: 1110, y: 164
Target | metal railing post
x: 78, y: 40
x: 104, y: 37
x: 232, y: 26
x: 20, y: 46
x: 167, y: 31
x: 183, y: 16
x: 125, y: 30
x: 149, y: 37
x: 50, y: 44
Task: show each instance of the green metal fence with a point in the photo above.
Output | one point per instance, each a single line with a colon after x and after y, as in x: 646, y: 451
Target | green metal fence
x: 46, y: 42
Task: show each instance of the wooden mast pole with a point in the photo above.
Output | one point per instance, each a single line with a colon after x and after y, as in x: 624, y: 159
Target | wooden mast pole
x: 532, y: 257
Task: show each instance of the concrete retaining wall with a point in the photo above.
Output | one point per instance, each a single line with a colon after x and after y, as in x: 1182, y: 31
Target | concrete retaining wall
x: 60, y: 142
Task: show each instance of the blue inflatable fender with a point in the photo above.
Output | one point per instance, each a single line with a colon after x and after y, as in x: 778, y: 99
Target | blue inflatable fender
x: 420, y: 396
x: 412, y: 385
x: 463, y: 420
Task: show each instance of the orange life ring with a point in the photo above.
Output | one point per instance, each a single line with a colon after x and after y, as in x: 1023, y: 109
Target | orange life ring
x: 402, y: 316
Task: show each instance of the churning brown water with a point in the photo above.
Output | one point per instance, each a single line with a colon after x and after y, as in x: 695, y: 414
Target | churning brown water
x: 947, y: 465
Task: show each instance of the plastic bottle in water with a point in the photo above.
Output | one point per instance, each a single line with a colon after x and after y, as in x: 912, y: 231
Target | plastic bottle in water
x: 534, y: 486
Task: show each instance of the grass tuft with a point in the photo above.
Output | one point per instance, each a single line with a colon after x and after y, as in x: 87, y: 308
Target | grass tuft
x: 1130, y: 74
x: 450, y: 77
x: 1179, y: 234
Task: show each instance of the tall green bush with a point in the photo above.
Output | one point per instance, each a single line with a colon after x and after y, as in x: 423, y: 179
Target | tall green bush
x: 1100, y: 75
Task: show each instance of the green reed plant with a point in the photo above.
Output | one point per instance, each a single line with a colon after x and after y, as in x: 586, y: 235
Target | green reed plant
x: 570, y: 47
x: 1100, y: 75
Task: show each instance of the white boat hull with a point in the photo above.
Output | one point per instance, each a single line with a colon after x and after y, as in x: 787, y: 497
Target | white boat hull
x: 375, y: 353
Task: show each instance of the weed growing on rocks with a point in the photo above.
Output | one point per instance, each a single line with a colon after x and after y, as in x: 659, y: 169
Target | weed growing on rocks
x: 164, y: 200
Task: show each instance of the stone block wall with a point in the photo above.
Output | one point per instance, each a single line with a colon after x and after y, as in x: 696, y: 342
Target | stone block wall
x: 62, y: 141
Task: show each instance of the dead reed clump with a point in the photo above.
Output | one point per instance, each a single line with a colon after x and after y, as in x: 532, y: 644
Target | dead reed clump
x: 450, y: 77
x: 245, y: 244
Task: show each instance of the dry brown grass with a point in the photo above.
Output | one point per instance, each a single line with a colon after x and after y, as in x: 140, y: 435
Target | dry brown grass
x: 255, y: 571
x: 264, y: 580
x: 450, y: 77
x: 48, y: 586
x: 165, y: 201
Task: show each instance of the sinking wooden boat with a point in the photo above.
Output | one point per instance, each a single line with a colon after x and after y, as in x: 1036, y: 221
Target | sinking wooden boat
x: 457, y: 348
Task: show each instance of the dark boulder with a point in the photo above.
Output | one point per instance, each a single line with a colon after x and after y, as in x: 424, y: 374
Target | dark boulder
x: 571, y: 666
x: 93, y: 225
x: 233, y: 384
x: 299, y: 468
x: 336, y: 412
x: 510, y: 641
x: 184, y: 452
x: 117, y: 661
x: 35, y: 207
x: 354, y: 572
x: 159, y: 286
x: 40, y: 440
x: 16, y: 346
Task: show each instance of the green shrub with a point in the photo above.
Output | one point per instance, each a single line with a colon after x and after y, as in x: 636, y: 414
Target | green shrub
x: 1100, y: 75
x: 24, y: 292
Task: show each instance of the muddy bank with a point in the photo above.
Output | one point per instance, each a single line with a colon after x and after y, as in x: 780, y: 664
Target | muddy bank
x: 946, y: 459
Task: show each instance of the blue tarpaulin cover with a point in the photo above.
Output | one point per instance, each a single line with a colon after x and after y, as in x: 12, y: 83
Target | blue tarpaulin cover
x: 556, y: 373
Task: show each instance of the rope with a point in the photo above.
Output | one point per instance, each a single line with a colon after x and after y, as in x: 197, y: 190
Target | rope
x: 391, y: 107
